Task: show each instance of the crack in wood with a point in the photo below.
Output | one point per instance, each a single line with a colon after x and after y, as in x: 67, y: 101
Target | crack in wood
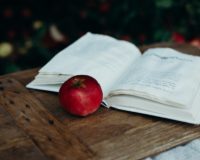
x: 65, y: 144
x: 51, y: 122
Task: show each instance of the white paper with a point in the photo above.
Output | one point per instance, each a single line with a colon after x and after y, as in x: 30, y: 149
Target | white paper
x: 102, y: 57
x: 164, y: 75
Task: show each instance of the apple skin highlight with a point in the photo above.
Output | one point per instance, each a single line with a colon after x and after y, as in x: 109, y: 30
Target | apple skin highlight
x: 80, y: 95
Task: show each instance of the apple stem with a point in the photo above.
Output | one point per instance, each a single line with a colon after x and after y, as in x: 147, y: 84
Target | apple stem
x: 78, y: 83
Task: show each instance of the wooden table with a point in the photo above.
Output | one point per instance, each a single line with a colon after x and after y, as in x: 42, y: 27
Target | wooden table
x: 34, y: 127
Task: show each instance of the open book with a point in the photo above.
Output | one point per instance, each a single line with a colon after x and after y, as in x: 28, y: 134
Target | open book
x: 161, y: 82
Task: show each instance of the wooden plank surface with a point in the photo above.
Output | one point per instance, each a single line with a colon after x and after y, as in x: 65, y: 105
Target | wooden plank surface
x: 14, y: 143
x: 33, y: 126
x: 53, y: 138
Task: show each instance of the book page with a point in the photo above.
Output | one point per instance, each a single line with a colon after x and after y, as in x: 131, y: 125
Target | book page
x: 102, y: 57
x: 164, y: 75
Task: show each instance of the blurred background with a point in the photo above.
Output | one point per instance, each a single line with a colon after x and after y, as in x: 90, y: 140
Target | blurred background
x: 32, y: 31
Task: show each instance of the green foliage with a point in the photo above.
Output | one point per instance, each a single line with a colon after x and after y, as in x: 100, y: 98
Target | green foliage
x: 27, y: 25
x: 164, y: 3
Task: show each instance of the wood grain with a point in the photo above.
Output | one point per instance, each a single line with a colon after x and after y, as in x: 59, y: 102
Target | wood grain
x: 38, y: 125
x: 54, y: 139
x: 14, y: 143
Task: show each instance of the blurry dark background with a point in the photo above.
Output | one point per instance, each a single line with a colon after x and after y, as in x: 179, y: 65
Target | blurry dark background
x: 32, y: 31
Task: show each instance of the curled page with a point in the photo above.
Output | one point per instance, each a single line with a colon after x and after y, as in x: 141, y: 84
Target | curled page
x: 164, y: 75
x: 100, y: 56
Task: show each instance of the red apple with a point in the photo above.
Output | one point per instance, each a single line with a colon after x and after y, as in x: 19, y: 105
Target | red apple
x: 178, y: 38
x: 81, y: 95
